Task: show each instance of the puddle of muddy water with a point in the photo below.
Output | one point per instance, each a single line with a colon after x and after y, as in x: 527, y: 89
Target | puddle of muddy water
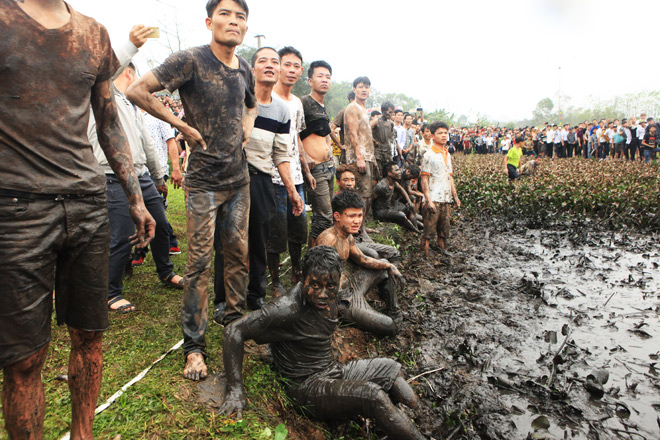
x: 496, y: 312
x: 606, y: 293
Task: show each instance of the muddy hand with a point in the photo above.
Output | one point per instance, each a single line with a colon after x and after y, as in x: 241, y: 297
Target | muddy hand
x: 144, y: 223
x: 396, y: 276
x: 194, y: 138
x: 361, y: 165
x: 235, y: 403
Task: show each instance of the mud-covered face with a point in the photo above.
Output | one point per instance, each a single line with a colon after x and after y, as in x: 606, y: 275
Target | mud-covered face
x: 394, y: 172
x: 320, y: 290
x: 349, y: 221
x: 347, y: 181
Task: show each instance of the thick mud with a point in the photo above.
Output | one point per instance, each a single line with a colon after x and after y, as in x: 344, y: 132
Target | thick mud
x: 518, y: 333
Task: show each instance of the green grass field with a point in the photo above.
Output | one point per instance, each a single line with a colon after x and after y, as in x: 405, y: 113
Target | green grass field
x: 163, y: 404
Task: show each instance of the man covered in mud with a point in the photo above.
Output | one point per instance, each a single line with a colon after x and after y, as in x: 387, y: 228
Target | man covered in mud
x: 299, y: 327
x: 361, y: 273
x: 387, y: 208
x: 346, y: 181
x: 359, y: 140
x: 210, y: 77
x: 317, y: 149
x: 54, y: 228
x: 266, y: 151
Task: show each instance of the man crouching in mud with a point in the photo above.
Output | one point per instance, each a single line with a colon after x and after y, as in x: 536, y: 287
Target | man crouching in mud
x: 299, y: 327
x: 365, y: 272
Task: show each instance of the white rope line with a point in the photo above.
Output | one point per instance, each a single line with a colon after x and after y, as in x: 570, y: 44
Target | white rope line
x: 132, y: 382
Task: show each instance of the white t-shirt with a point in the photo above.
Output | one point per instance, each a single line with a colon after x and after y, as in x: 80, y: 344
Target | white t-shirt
x: 439, y: 176
x: 297, y: 125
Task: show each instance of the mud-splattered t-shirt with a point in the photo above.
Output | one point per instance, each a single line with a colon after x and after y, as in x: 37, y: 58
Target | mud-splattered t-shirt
x: 213, y: 97
x: 299, y: 335
x: 46, y: 79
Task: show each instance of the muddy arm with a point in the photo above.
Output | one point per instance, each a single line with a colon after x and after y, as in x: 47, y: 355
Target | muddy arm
x: 115, y: 146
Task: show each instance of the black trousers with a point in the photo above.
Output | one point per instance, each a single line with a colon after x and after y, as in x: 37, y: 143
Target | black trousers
x: 122, y: 227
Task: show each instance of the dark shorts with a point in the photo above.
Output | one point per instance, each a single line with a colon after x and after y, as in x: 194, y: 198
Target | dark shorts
x: 345, y: 390
x: 437, y: 224
x: 46, y: 244
x: 284, y: 226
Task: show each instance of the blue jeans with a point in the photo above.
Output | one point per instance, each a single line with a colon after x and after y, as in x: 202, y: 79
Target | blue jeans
x: 648, y: 152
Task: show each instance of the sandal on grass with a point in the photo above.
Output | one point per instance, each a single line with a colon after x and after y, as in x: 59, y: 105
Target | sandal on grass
x: 168, y: 282
x: 122, y: 310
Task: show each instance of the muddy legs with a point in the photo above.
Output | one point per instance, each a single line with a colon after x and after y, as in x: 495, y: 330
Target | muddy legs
x: 23, y: 401
x: 85, y: 370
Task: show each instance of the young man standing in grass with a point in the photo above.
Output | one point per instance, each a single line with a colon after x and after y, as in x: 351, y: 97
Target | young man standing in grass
x: 512, y: 159
x: 210, y: 77
x: 438, y: 188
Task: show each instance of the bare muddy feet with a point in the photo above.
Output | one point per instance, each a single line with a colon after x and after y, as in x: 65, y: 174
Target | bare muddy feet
x: 195, y: 368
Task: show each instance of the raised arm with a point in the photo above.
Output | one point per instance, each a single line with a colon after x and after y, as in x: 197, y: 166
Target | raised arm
x: 115, y: 146
x: 140, y: 94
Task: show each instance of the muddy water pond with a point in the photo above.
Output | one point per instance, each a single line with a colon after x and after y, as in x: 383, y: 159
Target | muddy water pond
x: 539, y: 334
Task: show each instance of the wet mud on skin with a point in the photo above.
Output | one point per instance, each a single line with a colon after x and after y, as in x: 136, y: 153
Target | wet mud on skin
x: 538, y: 334
x: 511, y: 334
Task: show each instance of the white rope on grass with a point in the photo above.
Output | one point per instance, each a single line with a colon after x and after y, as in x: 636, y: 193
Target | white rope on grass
x: 132, y: 382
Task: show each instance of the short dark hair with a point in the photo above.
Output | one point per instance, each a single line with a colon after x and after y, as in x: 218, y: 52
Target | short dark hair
x: 389, y: 165
x: 361, y: 79
x: 315, y: 64
x: 131, y: 66
x: 289, y: 50
x: 343, y: 168
x: 321, y: 259
x: 347, y: 199
x: 384, y: 107
x: 211, y: 5
x: 350, y: 96
x: 375, y: 113
x: 398, y: 111
x: 424, y: 127
x: 406, y: 114
x: 254, y: 57
x: 520, y: 140
x: 438, y: 124
x: 414, y: 171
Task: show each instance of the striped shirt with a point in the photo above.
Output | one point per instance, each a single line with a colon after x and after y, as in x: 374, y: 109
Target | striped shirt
x: 270, y: 141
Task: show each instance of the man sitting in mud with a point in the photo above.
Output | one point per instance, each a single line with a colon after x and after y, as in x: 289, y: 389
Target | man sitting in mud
x: 345, y: 176
x: 387, y: 208
x: 364, y: 272
x: 299, y: 327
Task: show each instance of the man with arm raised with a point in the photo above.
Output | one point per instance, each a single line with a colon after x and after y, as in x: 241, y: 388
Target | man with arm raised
x: 217, y: 90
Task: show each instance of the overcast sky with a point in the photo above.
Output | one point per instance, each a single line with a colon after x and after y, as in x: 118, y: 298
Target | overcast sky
x: 498, y: 58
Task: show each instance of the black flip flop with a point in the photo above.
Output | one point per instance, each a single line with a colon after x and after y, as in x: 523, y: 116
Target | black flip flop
x: 122, y: 310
